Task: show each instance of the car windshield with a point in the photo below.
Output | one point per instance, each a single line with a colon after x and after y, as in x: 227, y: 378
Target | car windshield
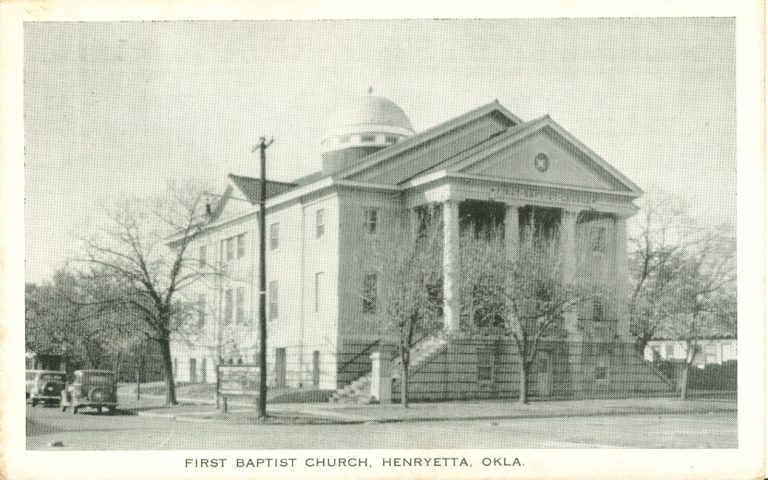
x: 99, y: 377
x: 52, y: 377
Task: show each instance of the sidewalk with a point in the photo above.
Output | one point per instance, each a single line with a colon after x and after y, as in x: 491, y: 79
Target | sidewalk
x: 324, y: 413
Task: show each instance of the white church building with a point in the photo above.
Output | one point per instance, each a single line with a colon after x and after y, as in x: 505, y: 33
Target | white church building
x: 377, y: 172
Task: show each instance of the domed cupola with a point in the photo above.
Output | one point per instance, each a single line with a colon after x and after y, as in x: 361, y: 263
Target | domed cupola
x: 362, y: 126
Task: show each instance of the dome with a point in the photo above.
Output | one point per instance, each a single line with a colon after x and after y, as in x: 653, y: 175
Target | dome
x: 365, y: 112
x: 360, y: 127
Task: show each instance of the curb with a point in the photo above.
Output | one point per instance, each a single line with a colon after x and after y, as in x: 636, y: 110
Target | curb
x: 358, y: 420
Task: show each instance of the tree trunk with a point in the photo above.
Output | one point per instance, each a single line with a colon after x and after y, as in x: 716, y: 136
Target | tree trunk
x: 684, y: 382
x: 405, y: 360
x: 170, y: 386
x: 523, y: 397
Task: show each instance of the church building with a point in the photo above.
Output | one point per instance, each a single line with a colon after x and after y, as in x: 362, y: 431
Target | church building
x: 377, y: 173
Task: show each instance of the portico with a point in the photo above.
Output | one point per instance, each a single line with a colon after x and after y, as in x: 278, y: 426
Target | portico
x: 590, y: 228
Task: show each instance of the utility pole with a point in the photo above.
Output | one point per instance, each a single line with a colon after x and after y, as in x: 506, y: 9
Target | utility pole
x: 262, y: 405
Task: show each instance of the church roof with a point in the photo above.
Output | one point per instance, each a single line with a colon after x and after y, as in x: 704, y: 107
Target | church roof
x: 251, y: 187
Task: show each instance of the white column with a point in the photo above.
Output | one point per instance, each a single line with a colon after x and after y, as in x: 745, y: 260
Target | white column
x: 620, y: 257
x: 413, y: 222
x: 511, y: 231
x: 568, y: 247
x: 450, y: 265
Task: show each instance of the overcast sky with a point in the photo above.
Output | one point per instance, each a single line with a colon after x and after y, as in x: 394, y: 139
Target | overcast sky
x: 117, y: 109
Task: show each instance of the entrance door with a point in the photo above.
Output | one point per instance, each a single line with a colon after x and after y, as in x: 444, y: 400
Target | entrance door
x: 280, y: 367
x: 542, y: 374
x: 315, y: 368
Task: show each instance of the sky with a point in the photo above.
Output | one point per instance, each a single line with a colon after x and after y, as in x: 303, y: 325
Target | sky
x: 117, y: 109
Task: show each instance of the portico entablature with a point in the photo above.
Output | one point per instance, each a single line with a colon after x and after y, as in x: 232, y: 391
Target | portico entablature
x: 460, y: 187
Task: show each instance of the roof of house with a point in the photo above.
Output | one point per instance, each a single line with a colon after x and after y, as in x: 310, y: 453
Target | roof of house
x: 251, y: 187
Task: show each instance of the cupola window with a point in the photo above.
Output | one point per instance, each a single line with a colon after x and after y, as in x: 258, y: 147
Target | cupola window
x: 368, y: 138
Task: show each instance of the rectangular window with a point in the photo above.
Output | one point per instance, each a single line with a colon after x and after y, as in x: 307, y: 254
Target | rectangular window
x: 201, y: 311
x: 228, y: 306
x: 274, y: 236
x: 203, y: 257
x: 241, y: 245
x: 318, y: 287
x: 369, y: 293
x: 319, y: 223
x: 601, y: 368
x: 391, y: 139
x: 598, y: 240
x: 273, y: 297
x: 230, y: 247
x: 371, y: 220
x: 485, y: 365
x: 598, y: 313
x: 240, y: 305
x: 368, y: 138
x: 669, y: 351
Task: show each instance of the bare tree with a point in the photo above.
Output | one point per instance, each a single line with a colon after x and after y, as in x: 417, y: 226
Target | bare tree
x: 144, y: 252
x: 705, y: 294
x: 524, y: 294
x: 410, y: 300
x: 660, y: 231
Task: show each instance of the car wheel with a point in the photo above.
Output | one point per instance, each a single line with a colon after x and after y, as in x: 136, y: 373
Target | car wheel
x: 74, y: 410
x: 63, y: 408
x: 110, y: 410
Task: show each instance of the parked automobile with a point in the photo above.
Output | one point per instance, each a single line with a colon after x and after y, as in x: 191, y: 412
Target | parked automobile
x: 45, y: 386
x: 91, y: 388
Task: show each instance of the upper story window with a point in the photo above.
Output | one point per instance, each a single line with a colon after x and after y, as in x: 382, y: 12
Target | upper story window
x: 391, y: 139
x: 201, y: 311
x: 371, y: 220
x: 319, y: 223
x: 318, y: 290
x: 228, y: 306
x: 599, y: 240
x: 368, y: 138
x: 229, y: 248
x: 369, y: 293
x: 241, y: 245
x: 273, y: 300
x: 240, y: 305
x: 203, y: 256
x: 274, y: 236
x: 598, y: 310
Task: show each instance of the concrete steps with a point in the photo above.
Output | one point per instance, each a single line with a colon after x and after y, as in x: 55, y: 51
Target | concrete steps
x: 357, y: 392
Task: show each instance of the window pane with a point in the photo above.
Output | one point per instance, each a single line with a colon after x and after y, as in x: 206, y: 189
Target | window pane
x: 273, y: 299
x: 203, y: 256
x: 320, y: 223
x: 274, y: 236
x: 240, y: 304
x: 230, y: 248
x: 228, y: 306
x: 369, y: 293
x: 318, y: 287
x: 201, y: 311
x: 241, y: 246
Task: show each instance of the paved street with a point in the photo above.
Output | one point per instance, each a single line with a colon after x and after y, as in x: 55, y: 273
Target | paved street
x: 129, y: 432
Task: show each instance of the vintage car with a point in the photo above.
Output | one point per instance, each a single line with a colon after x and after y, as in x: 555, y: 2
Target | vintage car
x: 91, y: 388
x: 45, y: 386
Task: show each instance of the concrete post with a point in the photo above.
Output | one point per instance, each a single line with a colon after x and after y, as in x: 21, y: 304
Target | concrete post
x: 450, y: 265
x: 381, y: 378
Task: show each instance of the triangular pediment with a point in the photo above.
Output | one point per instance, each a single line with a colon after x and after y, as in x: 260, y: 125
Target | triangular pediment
x: 544, y: 154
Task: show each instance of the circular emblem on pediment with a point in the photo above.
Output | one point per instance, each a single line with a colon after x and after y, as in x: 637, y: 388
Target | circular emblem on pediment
x: 541, y: 162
